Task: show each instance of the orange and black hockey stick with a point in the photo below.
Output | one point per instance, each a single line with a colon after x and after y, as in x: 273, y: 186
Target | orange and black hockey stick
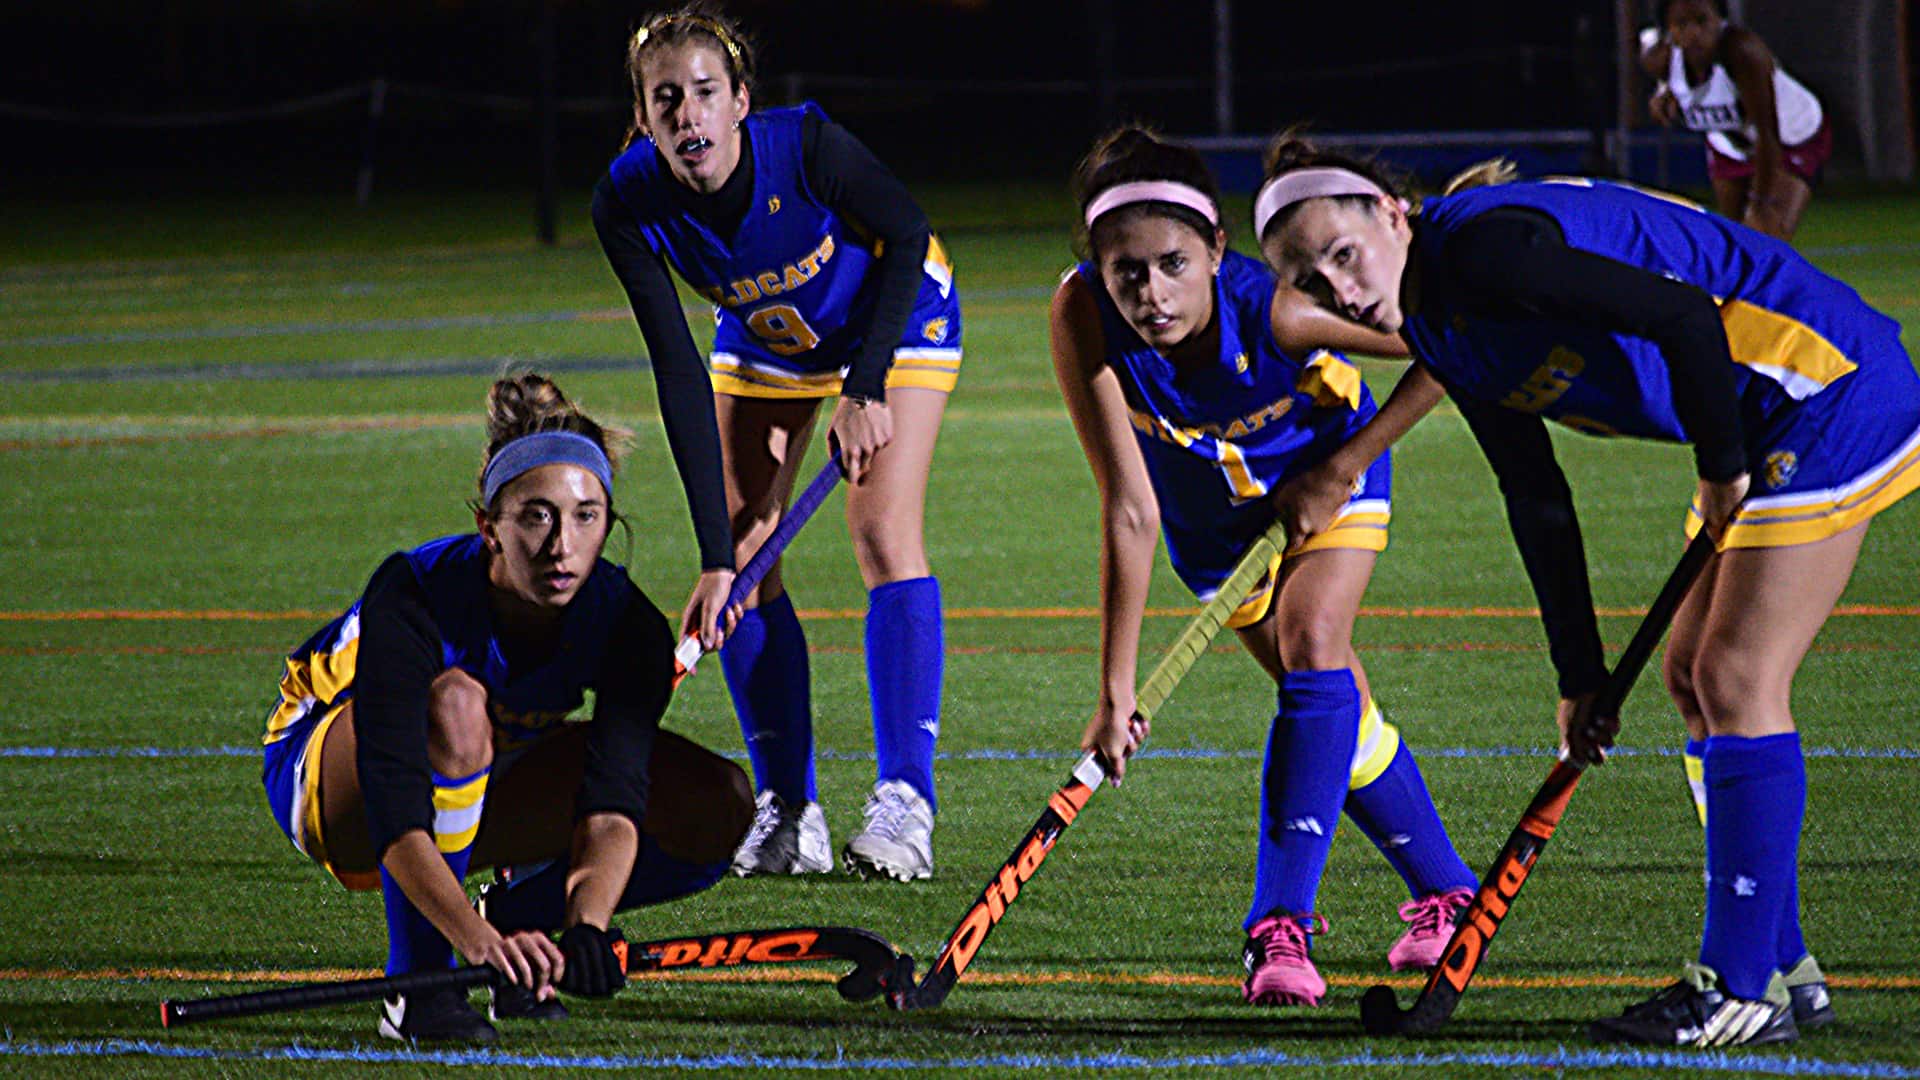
x: 876, y: 965
x: 1380, y: 1013
x: 1088, y: 773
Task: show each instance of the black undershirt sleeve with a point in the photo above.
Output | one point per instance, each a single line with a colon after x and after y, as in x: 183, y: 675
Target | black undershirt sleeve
x: 1540, y: 512
x: 1515, y: 260
x: 630, y: 696
x: 846, y: 176
x: 679, y: 375
x: 399, y: 657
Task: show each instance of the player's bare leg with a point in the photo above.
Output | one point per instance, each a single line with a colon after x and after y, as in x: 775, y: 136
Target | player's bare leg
x: 765, y: 658
x: 886, y: 514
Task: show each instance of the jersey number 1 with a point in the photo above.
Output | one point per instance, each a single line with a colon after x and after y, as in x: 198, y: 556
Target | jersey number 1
x: 782, y: 329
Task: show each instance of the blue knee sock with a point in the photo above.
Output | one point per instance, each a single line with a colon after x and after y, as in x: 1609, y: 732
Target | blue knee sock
x: 413, y: 944
x: 1309, y: 758
x: 537, y: 899
x: 1792, y: 944
x: 1756, y: 802
x: 906, y: 655
x: 1397, y: 814
x: 765, y: 661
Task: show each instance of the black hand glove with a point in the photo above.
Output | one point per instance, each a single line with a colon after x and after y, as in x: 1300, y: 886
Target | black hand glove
x: 594, y: 967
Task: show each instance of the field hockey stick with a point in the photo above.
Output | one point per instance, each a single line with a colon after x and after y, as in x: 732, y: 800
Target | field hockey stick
x: 1380, y: 1013
x: 875, y: 964
x: 1088, y: 773
x: 690, y: 651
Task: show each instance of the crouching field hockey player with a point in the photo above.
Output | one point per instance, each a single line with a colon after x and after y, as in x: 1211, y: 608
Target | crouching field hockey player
x: 1621, y: 312
x: 420, y: 737
x: 1189, y: 413
x: 825, y: 280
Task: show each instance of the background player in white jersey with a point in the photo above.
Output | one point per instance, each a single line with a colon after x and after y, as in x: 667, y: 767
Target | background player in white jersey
x: 1767, y: 137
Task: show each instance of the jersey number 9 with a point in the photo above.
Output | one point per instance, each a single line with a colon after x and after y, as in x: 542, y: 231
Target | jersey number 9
x: 782, y: 329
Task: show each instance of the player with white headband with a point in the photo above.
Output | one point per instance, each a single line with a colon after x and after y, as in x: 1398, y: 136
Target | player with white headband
x: 1618, y: 311
x: 1190, y: 413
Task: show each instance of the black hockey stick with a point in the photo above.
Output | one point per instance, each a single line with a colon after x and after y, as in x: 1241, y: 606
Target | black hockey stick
x: 876, y: 965
x: 1380, y: 1013
x: 1088, y: 773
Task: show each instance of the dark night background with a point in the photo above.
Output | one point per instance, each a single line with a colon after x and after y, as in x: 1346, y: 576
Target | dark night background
x: 83, y: 70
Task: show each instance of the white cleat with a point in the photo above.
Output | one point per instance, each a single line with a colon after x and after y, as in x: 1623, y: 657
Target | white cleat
x: 897, y: 840
x: 784, y: 840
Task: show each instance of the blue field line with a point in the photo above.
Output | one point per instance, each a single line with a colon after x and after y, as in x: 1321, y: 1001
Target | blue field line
x: 1562, y: 1058
x: 1188, y: 753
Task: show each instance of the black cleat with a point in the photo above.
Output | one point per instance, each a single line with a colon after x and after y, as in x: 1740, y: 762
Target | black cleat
x: 1695, y: 1012
x: 511, y: 1001
x: 435, y: 1016
x: 1807, y: 987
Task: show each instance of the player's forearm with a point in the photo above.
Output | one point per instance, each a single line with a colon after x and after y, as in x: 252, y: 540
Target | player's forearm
x: 1413, y: 397
x: 1129, y: 533
x: 605, y: 847
x: 423, y: 875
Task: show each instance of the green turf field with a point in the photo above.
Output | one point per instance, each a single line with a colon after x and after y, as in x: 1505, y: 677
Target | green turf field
x: 217, y: 419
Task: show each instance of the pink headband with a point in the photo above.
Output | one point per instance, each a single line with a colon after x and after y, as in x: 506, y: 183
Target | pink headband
x: 1166, y: 191
x: 1302, y: 184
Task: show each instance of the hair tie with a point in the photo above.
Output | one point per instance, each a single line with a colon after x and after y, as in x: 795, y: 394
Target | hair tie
x: 1299, y: 185
x: 529, y: 452
x: 1166, y: 191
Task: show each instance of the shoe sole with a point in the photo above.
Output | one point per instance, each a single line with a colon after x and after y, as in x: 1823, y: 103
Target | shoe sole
x: 1597, y: 1032
x: 794, y: 870
x: 388, y: 1031
x: 1274, y: 998
x: 869, y: 869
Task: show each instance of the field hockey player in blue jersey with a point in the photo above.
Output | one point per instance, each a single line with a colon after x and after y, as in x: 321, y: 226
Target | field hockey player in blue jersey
x: 825, y: 280
x: 1617, y: 311
x: 1189, y: 413
x: 422, y: 736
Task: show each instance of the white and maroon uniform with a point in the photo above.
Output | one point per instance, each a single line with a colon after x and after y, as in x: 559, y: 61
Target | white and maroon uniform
x: 1713, y: 106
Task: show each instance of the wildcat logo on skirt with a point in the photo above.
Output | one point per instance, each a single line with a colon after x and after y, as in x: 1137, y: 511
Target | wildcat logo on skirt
x: 1781, y: 465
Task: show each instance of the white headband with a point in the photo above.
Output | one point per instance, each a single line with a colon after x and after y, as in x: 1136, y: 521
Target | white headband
x: 1302, y: 184
x: 1166, y: 191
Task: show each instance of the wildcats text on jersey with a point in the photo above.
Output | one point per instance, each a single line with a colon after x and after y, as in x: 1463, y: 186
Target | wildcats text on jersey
x: 773, y: 282
x: 1241, y: 427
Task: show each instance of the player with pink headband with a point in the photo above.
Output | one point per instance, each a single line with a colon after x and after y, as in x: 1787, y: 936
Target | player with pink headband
x: 1165, y: 345
x: 1623, y: 312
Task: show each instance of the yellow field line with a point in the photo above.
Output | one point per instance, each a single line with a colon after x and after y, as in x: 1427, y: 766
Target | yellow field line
x: 980, y: 978
x: 830, y: 614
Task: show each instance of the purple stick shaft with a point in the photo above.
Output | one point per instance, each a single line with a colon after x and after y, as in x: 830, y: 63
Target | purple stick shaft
x: 790, y: 524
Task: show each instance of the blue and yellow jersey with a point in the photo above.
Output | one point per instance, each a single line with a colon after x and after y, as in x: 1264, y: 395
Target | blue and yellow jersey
x: 1219, y: 438
x: 1829, y: 399
x: 1791, y: 328
x: 523, y: 702
x: 793, y: 291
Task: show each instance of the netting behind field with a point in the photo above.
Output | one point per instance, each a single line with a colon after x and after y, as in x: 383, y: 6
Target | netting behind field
x: 1853, y: 54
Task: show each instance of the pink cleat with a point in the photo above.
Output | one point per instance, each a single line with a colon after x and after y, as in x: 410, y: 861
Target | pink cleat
x: 1426, y: 939
x: 1279, y: 971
